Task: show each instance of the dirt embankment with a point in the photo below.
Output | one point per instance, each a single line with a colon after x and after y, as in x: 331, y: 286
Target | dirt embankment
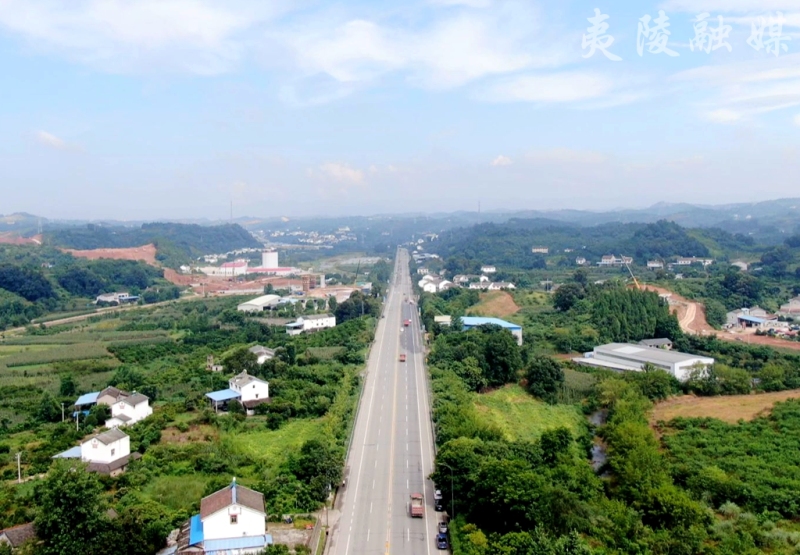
x: 730, y: 408
x: 146, y: 253
x: 691, y: 315
x: 498, y: 304
x: 692, y: 319
x: 13, y: 238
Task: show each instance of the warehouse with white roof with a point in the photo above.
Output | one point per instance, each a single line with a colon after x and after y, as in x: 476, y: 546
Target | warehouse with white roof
x: 259, y: 304
x: 629, y: 357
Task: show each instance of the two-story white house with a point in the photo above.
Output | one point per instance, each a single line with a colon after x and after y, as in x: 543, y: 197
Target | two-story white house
x: 311, y: 323
x: 249, y: 390
x: 252, y: 391
x: 107, y: 453
x: 232, y: 521
x: 129, y: 410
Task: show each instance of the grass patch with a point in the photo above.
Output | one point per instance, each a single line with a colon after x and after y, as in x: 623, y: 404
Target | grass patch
x: 730, y: 408
x: 80, y: 351
x: 581, y: 382
x: 521, y: 417
x: 324, y: 353
x: 498, y: 304
x: 178, y: 493
x: 272, y: 446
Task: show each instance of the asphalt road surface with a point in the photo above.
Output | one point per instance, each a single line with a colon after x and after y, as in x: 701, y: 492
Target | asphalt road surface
x: 391, y: 454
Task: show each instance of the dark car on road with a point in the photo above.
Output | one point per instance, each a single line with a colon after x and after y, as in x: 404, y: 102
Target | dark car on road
x: 441, y: 541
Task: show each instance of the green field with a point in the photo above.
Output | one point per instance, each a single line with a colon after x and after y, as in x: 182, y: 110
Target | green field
x: 177, y: 492
x: 522, y: 418
x: 271, y: 446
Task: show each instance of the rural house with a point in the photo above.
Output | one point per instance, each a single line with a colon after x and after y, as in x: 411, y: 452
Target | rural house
x: 262, y: 353
x: 126, y: 408
x: 231, y: 521
x: 107, y: 453
x: 247, y: 389
x: 16, y: 536
x: 129, y: 410
x: 311, y: 323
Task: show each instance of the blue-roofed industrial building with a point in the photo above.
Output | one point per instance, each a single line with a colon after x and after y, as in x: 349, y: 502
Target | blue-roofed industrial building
x: 470, y: 322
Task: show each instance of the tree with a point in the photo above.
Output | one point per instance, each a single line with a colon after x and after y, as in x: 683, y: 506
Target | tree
x: 70, y: 511
x: 545, y: 377
x: 332, y: 303
x: 241, y: 360
x: 320, y: 466
x: 67, y: 388
x: 48, y: 410
x: 502, y: 356
x: 567, y: 295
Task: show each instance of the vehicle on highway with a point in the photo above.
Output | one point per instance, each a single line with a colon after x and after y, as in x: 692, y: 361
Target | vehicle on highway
x: 442, y: 527
x: 417, y: 506
x: 437, y: 500
x: 441, y: 541
x: 407, y: 323
x: 402, y: 357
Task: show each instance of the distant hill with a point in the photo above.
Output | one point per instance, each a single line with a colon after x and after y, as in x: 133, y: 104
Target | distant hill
x: 176, y: 243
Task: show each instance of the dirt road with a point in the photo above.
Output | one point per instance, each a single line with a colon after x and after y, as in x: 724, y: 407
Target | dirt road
x: 692, y: 319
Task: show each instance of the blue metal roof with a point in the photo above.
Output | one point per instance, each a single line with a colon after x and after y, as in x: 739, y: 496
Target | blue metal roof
x: 223, y: 395
x: 753, y: 319
x: 88, y: 398
x: 474, y: 321
x: 212, y: 547
x: 195, y: 530
x: 71, y: 453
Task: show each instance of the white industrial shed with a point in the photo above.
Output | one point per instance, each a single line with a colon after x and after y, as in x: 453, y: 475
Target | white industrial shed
x: 259, y: 304
x: 625, y: 356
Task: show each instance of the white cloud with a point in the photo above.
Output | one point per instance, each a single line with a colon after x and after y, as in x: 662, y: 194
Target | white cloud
x: 342, y: 173
x: 501, y: 161
x: 50, y: 140
x: 724, y: 115
x: 566, y: 156
x: 122, y: 36
x: 797, y: 120
x: 466, y: 3
x: 554, y: 87
x: 453, y: 49
x: 740, y: 91
x: 730, y: 6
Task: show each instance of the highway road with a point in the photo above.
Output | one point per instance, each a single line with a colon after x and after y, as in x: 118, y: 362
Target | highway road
x: 391, y: 453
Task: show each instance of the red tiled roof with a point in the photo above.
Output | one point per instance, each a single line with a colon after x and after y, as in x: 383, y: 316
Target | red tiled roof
x: 225, y: 497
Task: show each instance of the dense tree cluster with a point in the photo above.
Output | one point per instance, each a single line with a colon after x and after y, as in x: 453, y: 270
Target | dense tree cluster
x: 509, y: 245
x: 29, y: 284
x: 485, y: 356
x: 176, y: 243
x: 89, y: 279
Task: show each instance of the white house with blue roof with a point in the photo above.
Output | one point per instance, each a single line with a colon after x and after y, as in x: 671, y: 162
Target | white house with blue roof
x: 470, y: 322
x: 249, y: 390
x: 231, y: 521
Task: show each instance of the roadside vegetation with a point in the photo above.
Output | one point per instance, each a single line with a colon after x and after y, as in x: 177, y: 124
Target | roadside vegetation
x: 292, y: 449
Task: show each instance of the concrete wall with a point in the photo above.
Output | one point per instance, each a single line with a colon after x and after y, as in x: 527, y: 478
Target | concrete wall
x: 249, y: 523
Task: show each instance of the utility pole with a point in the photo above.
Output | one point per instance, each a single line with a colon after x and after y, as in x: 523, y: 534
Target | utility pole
x: 77, y: 417
x: 19, y: 468
x: 62, y: 412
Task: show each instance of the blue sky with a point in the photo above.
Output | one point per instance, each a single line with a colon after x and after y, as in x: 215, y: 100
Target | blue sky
x: 153, y: 109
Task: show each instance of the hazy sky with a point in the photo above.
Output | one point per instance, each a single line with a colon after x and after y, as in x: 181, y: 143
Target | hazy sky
x: 171, y: 108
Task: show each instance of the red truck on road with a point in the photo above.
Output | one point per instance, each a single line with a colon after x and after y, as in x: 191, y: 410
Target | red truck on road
x: 407, y: 323
x: 417, y: 506
x: 403, y: 357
